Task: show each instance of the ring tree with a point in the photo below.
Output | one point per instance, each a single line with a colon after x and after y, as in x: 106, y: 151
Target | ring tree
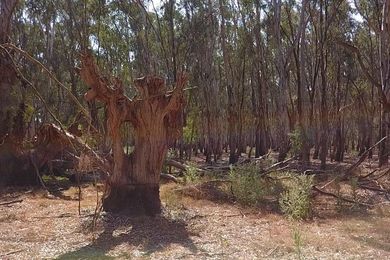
x: 155, y: 114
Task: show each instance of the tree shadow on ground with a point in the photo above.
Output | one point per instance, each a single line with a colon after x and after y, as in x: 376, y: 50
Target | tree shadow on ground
x: 147, y: 234
x: 375, y: 233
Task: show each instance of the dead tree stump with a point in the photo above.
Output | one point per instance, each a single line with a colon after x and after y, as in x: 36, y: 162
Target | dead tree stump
x: 155, y: 115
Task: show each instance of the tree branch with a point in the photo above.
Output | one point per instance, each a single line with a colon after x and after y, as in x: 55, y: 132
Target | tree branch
x: 176, y: 99
x: 359, y: 56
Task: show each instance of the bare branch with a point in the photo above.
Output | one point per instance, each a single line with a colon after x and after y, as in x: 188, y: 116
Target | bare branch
x: 365, y: 70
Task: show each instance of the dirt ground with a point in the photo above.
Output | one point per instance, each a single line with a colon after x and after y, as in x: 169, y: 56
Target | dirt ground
x: 47, y: 226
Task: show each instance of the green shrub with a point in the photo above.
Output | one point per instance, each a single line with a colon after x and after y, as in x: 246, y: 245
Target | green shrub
x: 298, y: 242
x: 295, y: 200
x: 246, y: 185
x: 296, y: 139
x: 191, y: 175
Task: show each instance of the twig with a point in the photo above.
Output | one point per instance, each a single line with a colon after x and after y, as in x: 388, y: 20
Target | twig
x: 369, y: 174
x: 329, y: 182
x: 64, y: 215
x: 10, y: 202
x: 273, y: 166
x: 272, y: 251
x: 12, y: 252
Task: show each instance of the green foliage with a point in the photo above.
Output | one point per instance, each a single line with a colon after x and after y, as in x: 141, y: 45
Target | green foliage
x: 298, y: 242
x: 295, y: 200
x: 191, y: 176
x: 296, y: 139
x: 28, y: 113
x: 190, y: 131
x: 247, y: 187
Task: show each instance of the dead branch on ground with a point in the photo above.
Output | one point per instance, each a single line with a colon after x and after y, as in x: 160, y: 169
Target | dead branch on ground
x: 10, y: 202
x: 361, y: 159
x: 339, y: 197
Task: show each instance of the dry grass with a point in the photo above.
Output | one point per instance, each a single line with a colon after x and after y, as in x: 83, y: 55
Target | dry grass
x: 198, y: 222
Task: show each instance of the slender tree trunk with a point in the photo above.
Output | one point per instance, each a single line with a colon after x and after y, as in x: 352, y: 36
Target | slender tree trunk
x: 384, y: 53
x: 232, y: 102
x: 281, y: 101
x: 301, y: 75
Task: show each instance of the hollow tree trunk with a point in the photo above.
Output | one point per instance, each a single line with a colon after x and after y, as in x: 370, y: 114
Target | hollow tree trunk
x: 156, y: 118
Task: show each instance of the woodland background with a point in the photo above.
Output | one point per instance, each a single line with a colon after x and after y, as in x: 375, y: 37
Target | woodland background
x: 259, y: 132
x: 293, y: 76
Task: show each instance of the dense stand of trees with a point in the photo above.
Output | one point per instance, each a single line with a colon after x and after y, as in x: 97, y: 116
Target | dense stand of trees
x: 293, y: 76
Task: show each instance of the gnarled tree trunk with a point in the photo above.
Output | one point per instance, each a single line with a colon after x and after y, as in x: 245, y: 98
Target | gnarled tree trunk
x: 156, y: 118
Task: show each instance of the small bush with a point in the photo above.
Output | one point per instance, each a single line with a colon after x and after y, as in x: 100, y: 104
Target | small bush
x: 191, y: 176
x: 246, y: 185
x: 295, y: 200
x: 296, y: 139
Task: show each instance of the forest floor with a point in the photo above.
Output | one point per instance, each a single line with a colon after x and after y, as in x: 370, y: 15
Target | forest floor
x: 46, y: 225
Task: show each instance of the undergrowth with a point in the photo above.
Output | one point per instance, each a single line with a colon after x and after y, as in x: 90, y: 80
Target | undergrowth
x: 292, y: 191
x: 295, y: 201
x: 191, y: 175
x: 247, y: 188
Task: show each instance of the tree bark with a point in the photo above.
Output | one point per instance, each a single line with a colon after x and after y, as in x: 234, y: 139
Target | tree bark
x: 281, y: 102
x: 156, y: 117
x: 15, y: 167
x: 384, y: 52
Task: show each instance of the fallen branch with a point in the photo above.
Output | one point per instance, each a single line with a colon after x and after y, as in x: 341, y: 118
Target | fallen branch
x: 169, y: 177
x: 373, y: 189
x: 275, y: 165
x: 339, y: 197
x: 384, y: 174
x: 249, y: 160
x: 10, y: 202
x: 361, y: 159
x: 176, y: 164
x: 217, y: 168
x: 181, y: 166
x: 313, y: 171
x: 367, y: 175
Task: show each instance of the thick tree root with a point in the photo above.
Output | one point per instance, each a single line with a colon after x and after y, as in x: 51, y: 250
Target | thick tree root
x: 133, y: 200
